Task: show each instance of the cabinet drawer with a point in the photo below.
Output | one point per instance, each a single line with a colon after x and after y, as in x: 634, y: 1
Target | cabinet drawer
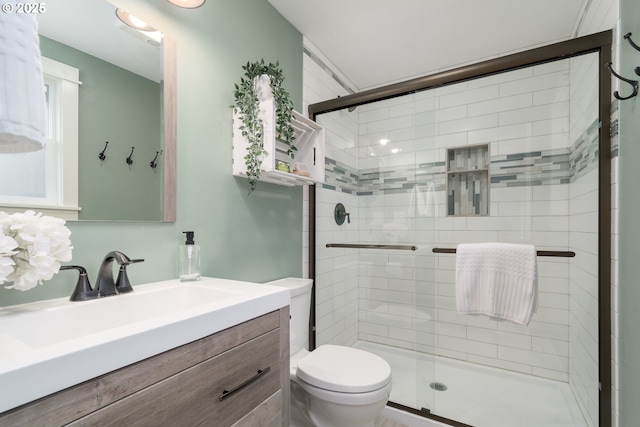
x: 268, y: 414
x: 200, y: 395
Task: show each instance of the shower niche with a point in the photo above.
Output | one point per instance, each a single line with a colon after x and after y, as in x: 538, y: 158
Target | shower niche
x: 468, y: 181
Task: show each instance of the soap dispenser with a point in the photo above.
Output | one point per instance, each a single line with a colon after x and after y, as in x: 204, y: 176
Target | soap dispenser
x: 189, y: 259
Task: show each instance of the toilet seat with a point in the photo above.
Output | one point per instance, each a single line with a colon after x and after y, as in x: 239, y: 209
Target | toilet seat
x: 343, y: 369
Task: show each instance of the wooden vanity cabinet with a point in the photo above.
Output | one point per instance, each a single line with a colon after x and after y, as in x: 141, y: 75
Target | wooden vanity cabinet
x: 237, y: 377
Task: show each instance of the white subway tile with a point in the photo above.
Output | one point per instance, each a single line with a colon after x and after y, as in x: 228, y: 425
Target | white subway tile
x: 553, y: 300
x: 470, y: 96
x: 532, y: 114
x: 550, y: 374
x: 550, y: 346
x: 499, y: 337
x: 552, y: 315
x: 500, y: 105
x: 532, y: 144
x: 534, y: 84
x: 550, y: 223
x: 374, y: 329
x: 551, y: 96
x: 451, y: 113
x: 450, y: 329
x: 467, y: 346
x: 468, y: 124
x: 521, y: 130
x: 501, y: 364
x: 534, y: 358
x: 502, y: 78
x: 551, y: 126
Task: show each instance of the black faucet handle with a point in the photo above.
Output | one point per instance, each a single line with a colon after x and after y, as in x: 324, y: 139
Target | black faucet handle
x: 83, y: 290
x: 123, y: 285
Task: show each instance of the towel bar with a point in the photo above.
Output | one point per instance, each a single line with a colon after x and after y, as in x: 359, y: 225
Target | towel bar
x: 561, y: 254
x: 367, y: 246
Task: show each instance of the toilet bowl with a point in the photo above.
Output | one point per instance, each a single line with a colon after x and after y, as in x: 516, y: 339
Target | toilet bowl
x: 332, y: 386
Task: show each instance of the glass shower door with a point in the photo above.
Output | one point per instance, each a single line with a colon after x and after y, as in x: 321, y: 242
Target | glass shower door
x: 511, y: 158
x: 371, y: 169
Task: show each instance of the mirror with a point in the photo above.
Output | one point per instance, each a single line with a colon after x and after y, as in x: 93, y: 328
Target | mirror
x: 126, y: 97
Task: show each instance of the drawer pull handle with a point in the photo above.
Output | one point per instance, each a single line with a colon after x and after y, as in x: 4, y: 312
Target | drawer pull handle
x: 228, y: 393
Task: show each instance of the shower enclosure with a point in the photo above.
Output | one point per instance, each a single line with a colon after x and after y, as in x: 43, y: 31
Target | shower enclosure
x: 512, y: 150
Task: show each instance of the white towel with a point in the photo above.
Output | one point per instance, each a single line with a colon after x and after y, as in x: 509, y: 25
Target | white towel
x: 22, y: 101
x: 497, y: 280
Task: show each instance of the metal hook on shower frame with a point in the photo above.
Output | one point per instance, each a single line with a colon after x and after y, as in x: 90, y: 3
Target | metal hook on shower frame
x: 627, y: 37
x: 633, y: 83
x: 130, y: 159
x: 101, y: 155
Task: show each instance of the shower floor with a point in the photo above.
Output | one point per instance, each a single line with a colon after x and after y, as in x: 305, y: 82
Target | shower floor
x: 477, y: 395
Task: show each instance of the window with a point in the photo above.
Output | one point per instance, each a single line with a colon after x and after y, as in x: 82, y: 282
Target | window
x: 47, y: 180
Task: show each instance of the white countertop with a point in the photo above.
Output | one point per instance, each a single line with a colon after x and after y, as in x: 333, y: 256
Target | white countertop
x: 47, y: 346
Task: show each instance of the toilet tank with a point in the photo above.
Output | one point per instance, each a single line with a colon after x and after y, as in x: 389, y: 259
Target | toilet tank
x: 300, y: 309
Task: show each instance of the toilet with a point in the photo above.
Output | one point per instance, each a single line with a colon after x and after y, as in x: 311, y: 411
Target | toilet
x: 331, y: 386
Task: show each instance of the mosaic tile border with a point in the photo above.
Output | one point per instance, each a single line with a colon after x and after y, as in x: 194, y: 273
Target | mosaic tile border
x: 340, y: 177
x: 585, y: 152
x: 545, y: 167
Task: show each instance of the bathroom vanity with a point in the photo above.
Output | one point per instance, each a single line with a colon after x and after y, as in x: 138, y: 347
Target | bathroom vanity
x: 235, y: 376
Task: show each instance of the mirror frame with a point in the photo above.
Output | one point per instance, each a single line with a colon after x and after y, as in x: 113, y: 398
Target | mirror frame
x: 170, y: 99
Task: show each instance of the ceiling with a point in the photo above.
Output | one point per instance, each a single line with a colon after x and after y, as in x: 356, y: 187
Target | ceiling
x: 378, y: 42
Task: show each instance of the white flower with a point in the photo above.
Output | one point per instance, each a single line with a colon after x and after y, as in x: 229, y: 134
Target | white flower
x: 31, y: 248
x: 7, y: 246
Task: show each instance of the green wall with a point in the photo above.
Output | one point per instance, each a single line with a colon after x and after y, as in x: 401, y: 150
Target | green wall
x: 629, y: 225
x: 125, y: 109
x: 253, y: 237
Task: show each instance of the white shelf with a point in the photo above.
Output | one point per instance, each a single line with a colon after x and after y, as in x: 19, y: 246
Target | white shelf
x: 309, y: 143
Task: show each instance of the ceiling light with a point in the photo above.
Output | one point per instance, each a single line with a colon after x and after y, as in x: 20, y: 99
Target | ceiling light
x: 187, y: 4
x: 133, y: 22
x: 384, y: 141
x: 395, y: 150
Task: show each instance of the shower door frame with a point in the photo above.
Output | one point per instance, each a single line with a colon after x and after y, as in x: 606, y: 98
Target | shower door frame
x: 600, y: 43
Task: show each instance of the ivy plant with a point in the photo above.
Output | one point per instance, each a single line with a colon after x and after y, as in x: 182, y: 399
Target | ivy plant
x: 247, y: 106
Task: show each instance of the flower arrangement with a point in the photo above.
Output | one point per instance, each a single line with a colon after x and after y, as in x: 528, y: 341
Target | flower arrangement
x: 31, y: 248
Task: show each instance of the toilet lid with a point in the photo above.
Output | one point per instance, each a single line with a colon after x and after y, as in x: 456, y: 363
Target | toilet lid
x: 344, y: 369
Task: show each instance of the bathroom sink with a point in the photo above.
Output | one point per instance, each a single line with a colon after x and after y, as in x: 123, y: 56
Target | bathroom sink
x: 65, y: 322
x: 71, y: 342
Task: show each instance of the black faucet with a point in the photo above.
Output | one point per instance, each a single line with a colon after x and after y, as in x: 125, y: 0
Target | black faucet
x: 105, y: 286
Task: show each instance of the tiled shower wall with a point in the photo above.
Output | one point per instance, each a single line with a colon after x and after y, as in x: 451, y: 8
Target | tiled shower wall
x: 336, y: 278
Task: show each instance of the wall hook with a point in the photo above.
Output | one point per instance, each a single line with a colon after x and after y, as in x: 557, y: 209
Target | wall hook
x: 628, y: 38
x: 636, y: 47
x: 153, y: 163
x: 633, y: 83
x: 102, y: 156
x: 129, y: 159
